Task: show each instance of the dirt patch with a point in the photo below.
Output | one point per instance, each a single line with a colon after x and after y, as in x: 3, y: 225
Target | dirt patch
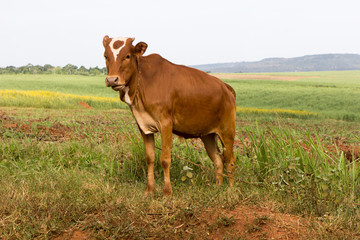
x: 73, y: 235
x: 242, y: 222
x: 33, y: 128
x: 5, y: 117
x: 85, y: 105
x: 351, y: 151
x: 238, y: 76
x: 250, y: 222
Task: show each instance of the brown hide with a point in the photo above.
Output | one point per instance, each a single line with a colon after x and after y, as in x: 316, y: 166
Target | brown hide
x: 169, y: 98
x: 196, y: 103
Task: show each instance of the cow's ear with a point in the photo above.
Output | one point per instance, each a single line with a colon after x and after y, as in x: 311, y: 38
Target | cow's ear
x: 140, y: 48
x: 106, y: 40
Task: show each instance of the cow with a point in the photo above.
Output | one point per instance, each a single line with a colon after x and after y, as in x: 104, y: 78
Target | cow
x: 172, y: 99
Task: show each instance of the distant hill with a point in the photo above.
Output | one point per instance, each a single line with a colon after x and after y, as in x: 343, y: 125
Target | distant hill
x: 322, y: 62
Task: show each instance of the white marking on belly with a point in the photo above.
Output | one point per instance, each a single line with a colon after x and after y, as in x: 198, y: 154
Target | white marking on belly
x: 117, y: 51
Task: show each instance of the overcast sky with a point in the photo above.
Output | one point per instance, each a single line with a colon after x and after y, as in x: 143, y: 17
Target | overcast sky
x: 59, y: 32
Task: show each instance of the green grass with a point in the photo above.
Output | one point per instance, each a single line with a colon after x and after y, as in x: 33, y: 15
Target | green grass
x: 72, y: 84
x: 56, y: 100
x: 85, y: 169
x: 333, y: 95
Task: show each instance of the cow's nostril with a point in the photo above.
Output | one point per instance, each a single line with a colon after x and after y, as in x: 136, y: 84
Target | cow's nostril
x: 116, y: 80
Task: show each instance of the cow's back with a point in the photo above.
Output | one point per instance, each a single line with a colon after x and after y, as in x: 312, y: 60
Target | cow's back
x: 197, y: 102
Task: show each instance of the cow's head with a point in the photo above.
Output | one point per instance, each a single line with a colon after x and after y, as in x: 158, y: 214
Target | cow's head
x: 121, y: 59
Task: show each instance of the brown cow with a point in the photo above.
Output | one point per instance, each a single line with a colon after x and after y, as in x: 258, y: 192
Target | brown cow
x: 169, y: 98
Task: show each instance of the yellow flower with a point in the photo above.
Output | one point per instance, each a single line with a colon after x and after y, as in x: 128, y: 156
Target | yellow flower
x: 50, y: 97
x: 275, y: 111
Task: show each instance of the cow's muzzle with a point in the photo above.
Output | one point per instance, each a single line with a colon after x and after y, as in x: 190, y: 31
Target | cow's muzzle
x: 112, y: 81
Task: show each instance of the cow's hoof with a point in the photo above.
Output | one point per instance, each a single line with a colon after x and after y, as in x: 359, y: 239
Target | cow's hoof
x: 148, y: 194
x: 167, y: 192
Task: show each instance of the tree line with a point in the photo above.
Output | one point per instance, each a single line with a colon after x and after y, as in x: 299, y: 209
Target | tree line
x: 69, y: 69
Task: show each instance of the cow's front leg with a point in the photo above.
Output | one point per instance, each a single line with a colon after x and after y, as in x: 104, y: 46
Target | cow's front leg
x: 165, y: 159
x: 150, y: 159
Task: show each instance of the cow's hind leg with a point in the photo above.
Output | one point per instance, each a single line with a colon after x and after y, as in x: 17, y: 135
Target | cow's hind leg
x: 229, y: 157
x: 165, y: 158
x: 212, y: 149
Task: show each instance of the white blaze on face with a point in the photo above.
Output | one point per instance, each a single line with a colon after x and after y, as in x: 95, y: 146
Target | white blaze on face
x: 118, y: 46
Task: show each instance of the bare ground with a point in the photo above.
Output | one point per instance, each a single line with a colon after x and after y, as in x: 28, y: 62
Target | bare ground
x: 243, y: 222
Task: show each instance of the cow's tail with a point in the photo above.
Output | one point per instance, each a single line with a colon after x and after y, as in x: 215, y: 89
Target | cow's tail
x: 231, y: 89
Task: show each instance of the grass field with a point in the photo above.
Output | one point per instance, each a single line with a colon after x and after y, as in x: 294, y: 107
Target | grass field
x: 80, y: 172
x: 328, y: 94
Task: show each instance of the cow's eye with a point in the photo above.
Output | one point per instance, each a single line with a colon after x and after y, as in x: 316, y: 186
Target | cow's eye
x: 128, y: 56
x: 105, y: 57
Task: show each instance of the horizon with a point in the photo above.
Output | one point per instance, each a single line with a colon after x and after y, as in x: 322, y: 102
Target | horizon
x: 101, y: 67
x: 184, y: 32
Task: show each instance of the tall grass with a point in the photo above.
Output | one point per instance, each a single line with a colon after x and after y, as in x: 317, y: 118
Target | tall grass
x: 95, y: 179
x: 301, y: 170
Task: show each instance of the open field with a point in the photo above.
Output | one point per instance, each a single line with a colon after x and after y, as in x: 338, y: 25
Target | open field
x: 277, y: 77
x: 333, y: 95
x: 80, y: 172
x: 330, y: 94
